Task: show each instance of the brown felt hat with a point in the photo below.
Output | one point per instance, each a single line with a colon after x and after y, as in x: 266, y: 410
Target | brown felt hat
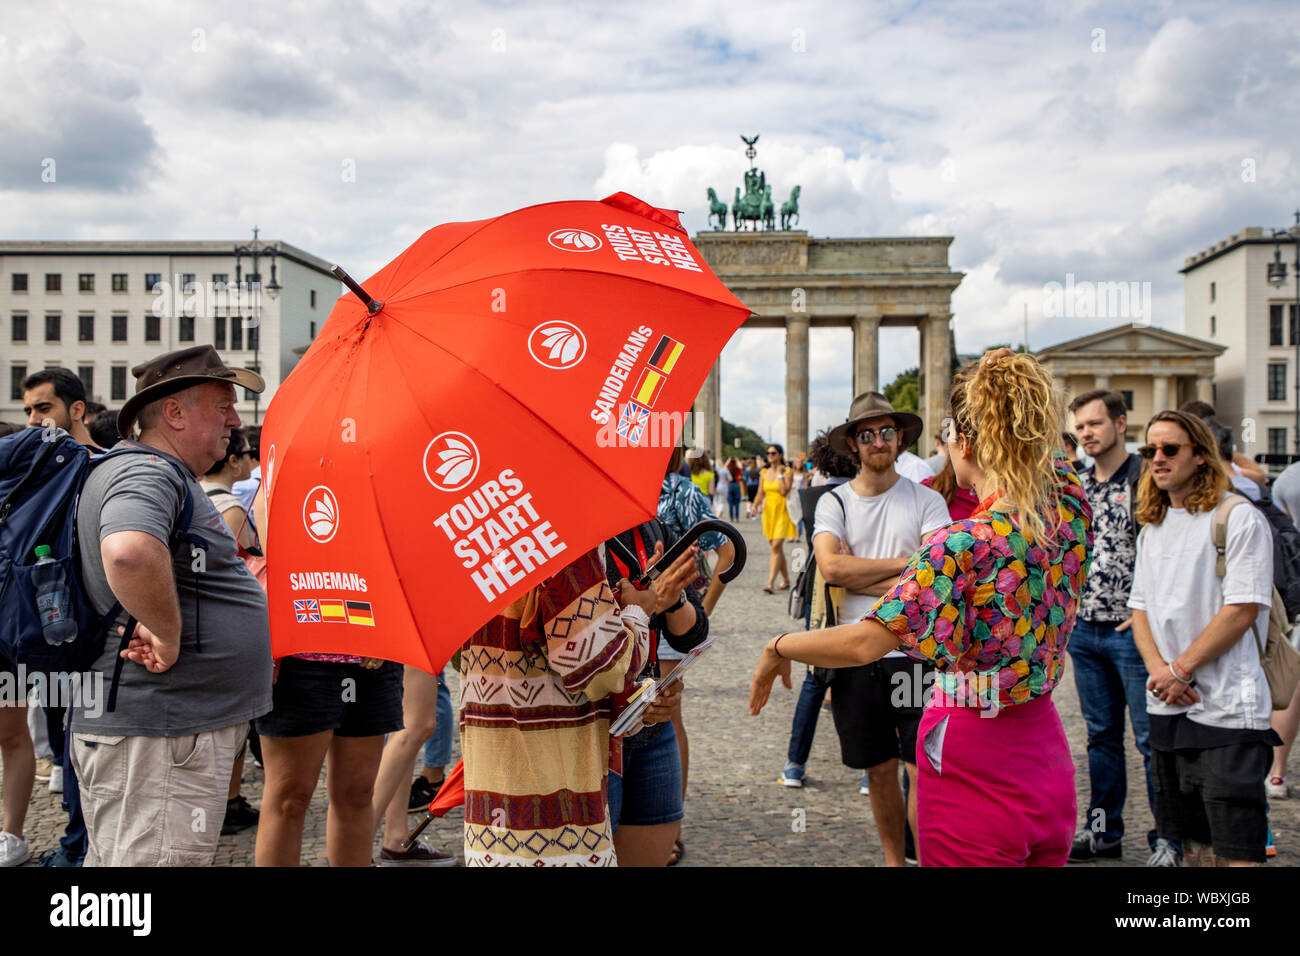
x: 176, y: 371
x: 865, y: 407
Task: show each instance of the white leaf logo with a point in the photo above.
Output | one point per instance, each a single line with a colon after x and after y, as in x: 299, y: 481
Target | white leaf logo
x: 557, y: 345
x: 451, y: 461
x: 574, y: 240
x: 320, y: 514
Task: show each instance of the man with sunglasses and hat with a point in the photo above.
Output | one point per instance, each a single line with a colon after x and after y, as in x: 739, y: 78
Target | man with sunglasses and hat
x: 864, y: 533
x: 154, y: 769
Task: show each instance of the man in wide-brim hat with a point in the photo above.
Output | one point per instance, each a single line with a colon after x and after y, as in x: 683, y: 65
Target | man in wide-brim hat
x: 199, y: 646
x: 864, y: 533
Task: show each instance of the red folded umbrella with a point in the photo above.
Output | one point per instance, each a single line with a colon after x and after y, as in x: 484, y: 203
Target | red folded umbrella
x: 491, y: 415
x: 451, y: 793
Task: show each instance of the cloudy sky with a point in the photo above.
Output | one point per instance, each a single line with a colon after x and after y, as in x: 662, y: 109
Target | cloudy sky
x: 1108, y: 140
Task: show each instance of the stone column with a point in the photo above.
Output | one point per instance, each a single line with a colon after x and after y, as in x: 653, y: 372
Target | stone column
x: 707, y: 431
x: 1101, y: 381
x: 1205, y: 388
x: 1159, y: 393
x: 796, y: 384
x: 866, y: 354
x: 936, y: 360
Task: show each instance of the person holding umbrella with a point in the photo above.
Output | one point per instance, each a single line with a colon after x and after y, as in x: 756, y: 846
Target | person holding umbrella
x: 991, y: 600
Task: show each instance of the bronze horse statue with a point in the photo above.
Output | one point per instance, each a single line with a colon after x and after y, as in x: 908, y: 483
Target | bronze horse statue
x: 717, y: 208
x: 790, y: 209
x: 747, y: 208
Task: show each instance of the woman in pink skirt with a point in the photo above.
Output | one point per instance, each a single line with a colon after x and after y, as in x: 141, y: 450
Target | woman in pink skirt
x: 991, y: 600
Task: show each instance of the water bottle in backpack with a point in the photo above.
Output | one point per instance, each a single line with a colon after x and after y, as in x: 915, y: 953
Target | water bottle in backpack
x: 53, y: 598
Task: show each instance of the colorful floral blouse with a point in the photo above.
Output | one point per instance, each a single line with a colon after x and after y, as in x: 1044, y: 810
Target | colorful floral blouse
x: 989, y: 606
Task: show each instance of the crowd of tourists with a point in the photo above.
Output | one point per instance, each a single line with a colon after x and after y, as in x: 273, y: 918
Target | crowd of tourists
x: 963, y: 578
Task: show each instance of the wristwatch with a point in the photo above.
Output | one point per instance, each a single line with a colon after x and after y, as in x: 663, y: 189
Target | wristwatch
x: 681, y: 599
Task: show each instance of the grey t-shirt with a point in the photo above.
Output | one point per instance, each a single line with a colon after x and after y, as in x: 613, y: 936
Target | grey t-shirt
x: 223, y: 673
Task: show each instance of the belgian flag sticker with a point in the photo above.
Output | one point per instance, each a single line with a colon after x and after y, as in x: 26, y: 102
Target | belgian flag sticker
x: 666, y: 353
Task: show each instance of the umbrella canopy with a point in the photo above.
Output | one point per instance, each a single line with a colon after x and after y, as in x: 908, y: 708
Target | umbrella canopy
x: 509, y: 406
x: 452, y: 792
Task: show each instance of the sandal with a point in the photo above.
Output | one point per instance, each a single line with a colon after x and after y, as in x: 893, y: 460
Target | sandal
x: 679, y: 851
x: 767, y: 590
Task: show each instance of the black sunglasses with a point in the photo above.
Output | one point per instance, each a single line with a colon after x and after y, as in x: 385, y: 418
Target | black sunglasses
x: 1169, y: 448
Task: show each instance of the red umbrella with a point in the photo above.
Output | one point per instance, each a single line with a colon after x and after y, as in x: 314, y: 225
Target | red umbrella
x: 497, y: 409
x: 452, y: 792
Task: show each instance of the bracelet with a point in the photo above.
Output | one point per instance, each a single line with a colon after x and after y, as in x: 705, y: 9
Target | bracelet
x: 1178, y: 677
x: 776, y: 646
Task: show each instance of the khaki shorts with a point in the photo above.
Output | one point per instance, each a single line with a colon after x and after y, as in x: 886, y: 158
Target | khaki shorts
x: 155, y: 801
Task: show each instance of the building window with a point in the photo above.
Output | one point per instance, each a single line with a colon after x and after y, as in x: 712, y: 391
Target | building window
x: 16, y: 375
x: 313, y: 299
x: 236, y: 334
x: 86, y: 282
x: 220, y: 280
x: 18, y: 331
x: 19, y: 283
x: 1275, y: 325
x: 1295, y: 332
x: 53, y: 327
x: 185, y: 328
x: 119, y: 328
x: 119, y: 384
x: 219, y: 332
x: 1276, y: 382
x: 87, y: 375
x: 313, y: 331
x: 152, y: 280
x: 252, y: 338
x: 1213, y: 325
x: 53, y: 282
x: 187, y: 281
x: 1277, y: 441
x: 86, y: 328
x: 1128, y: 399
x: 1211, y: 291
x: 152, y: 328
x: 119, y: 281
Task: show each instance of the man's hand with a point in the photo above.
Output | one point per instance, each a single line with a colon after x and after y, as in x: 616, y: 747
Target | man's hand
x: 149, y: 650
x: 629, y: 596
x: 669, y: 585
x: 1170, y: 689
x: 765, y: 674
x: 1124, y: 625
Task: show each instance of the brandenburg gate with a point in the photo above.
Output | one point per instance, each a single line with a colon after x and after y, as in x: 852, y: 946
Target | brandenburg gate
x: 793, y: 281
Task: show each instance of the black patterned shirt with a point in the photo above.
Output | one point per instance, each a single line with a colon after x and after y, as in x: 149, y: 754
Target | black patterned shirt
x: 1114, y: 544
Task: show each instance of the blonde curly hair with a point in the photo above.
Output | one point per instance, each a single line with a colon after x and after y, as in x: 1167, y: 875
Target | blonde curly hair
x: 1011, y: 411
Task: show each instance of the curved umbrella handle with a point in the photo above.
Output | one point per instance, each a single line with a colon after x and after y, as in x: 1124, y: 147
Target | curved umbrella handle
x: 690, y: 537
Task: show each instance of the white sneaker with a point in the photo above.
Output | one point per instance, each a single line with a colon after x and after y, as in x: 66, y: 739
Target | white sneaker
x: 43, y: 767
x: 1164, y: 854
x: 14, y: 850
x: 1275, y: 788
x: 56, y: 779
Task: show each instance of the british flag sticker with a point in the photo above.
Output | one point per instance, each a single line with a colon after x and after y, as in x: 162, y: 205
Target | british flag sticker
x: 307, y: 612
x: 632, y: 422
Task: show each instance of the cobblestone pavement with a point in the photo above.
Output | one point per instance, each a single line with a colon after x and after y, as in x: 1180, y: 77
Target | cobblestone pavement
x: 736, y: 812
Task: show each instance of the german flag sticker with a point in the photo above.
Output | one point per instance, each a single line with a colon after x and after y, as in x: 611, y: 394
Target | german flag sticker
x: 359, y: 613
x: 666, y: 353
x: 648, y: 387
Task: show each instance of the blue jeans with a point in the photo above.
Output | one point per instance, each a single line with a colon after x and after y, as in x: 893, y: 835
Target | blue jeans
x: 437, y: 749
x: 733, y: 501
x: 804, y: 726
x: 1109, y: 674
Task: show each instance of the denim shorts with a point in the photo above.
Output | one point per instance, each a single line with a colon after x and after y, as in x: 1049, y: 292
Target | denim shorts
x: 309, y: 697
x: 650, y: 791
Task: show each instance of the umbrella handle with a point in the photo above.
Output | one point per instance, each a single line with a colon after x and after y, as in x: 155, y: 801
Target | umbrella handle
x: 690, y: 537
x: 630, y: 560
x: 415, y: 834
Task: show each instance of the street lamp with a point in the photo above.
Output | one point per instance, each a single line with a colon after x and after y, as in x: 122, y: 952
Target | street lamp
x: 255, y: 251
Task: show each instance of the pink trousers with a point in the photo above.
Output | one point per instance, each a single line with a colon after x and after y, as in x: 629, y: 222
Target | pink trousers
x: 994, y: 791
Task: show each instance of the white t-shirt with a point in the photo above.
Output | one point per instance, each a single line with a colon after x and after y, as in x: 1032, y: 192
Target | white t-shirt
x: 1174, y: 581
x: 910, y: 466
x: 889, y: 525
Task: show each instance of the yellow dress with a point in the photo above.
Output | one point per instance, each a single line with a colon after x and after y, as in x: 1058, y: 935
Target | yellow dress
x: 776, y: 520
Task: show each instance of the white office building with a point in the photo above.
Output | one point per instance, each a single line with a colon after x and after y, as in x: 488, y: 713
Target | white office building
x: 1229, y: 301
x: 99, y: 308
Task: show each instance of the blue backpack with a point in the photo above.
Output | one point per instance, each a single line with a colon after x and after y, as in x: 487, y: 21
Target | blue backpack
x: 42, y: 472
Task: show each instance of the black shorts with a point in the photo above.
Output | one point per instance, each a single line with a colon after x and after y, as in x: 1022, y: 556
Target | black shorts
x: 309, y: 697
x: 1214, y: 796
x: 877, y: 709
